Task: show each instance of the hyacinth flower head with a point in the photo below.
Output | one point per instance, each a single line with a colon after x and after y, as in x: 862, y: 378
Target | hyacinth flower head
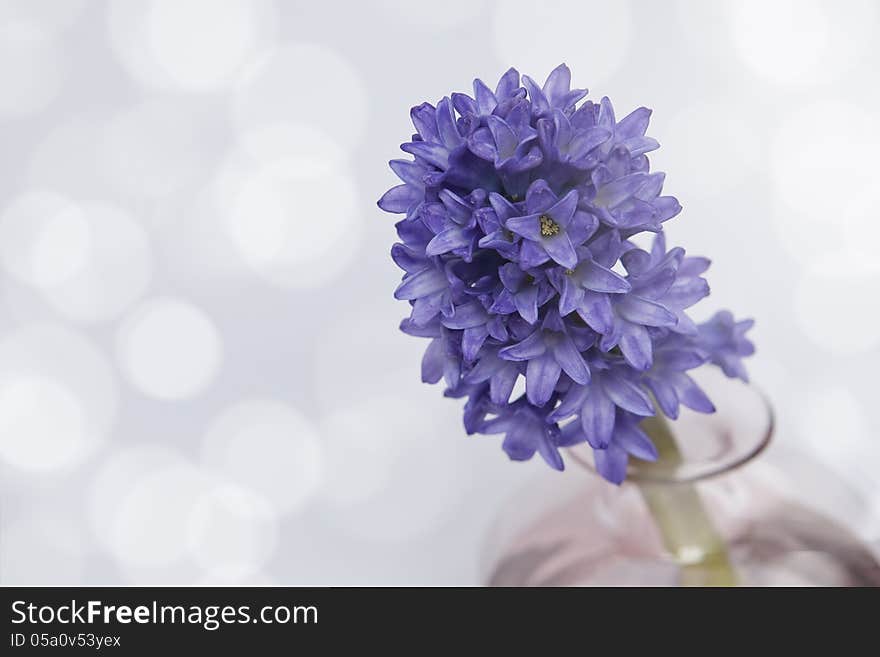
x: 518, y: 211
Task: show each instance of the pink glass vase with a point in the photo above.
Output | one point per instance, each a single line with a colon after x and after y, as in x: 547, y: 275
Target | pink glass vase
x: 713, y: 515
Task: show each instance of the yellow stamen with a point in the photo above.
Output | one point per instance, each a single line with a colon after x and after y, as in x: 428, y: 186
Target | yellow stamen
x: 549, y: 228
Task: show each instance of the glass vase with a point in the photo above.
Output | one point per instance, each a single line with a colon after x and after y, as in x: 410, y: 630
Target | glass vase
x: 709, y: 514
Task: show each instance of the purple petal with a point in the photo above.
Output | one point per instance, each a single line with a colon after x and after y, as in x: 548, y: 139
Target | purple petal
x: 633, y: 124
x: 432, y: 362
x: 616, y: 192
x: 532, y: 347
x: 563, y: 211
x: 628, y: 395
x: 611, y: 463
x: 560, y: 248
x: 635, y: 343
x: 420, y: 284
x: 532, y: 254
x: 482, y: 144
x: 571, y: 360
x: 511, y: 276
x: 432, y: 153
x: 597, y: 418
x: 542, y: 375
x: 571, y: 296
x: 586, y: 141
x: 527, y: 303
x: 506, y: 140
x: 467, y: 315
x: 691, y: 395
x: 401, y: 198
x: 519, y: 443
x: 528, y: 226
x: 426, y: 308
x: 539, y: 197
x: 558, y: 83
x: 595, y: 310
x: 424, y: 119
x: 570, y: 404
x: 501, y: 384
x: 599, y: 279
x: 472, y: 340
x: 449, y: 239
x: 571, y: 434
x: 408, y: 258
x: 666, y: 397
x: 636, y: 442
x: 446, y: 127
x: 549, y: 453
x: 642, y: 311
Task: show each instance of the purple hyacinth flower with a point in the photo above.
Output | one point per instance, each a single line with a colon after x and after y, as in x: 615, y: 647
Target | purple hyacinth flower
x: 549, y: 351
x: 519, y: 207
x: 476, y: 324
x: 523, y: 292
x: 556, y: 92
x: 408, y: 197
x: 724, y: 339
x: 442, y: 358
x: 651, y: 303
x: 454, y: 224
x: 629, y: 440
x: 551, y: 228
x: 500, y: 373
x: 612, y: 387
x: 668, y: 380
x: 527, y: 433
x: 567, y: 145
x: 486, y: 103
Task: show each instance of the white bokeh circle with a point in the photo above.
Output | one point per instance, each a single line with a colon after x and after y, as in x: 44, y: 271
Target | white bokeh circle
x: 168, y: 348
x: 161, y: 146
x: 153, y: 517
x: 232, y: 532
x: 710, y: 147
x: 425, y: 14
x: 44, y: 238
x: 834, y: 427
x: 44, y: 414
x: 193, y: 45
x: 32, y: 68
x: 592, y: 37
x: 287, y: 226
x: 269, y: 447
x: 114, y: 478
x: 289, y: 205
x: 391, y: 469
x: 58, y: 398
x: 377, y: 350
x: 49, y: 14
x: 303, y: 83
x: 31, y: 553
x: 301, y: 150
x: 823, y: 177
x: 835, y: 303
x: 817, y: 170
x: 115, y: 272
x: 65, y: 158
x: 802, y: 42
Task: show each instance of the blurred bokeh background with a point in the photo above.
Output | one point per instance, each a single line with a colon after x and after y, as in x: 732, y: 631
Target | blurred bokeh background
x: 201, y: 377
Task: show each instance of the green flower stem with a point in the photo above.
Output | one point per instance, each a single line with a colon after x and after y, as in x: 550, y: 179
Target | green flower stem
x: 682, y: 519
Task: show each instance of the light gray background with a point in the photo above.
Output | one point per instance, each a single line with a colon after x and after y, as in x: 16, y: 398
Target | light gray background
x: 201, y: 378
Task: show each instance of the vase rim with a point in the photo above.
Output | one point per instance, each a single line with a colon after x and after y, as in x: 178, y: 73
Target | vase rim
x: 737, y: 433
